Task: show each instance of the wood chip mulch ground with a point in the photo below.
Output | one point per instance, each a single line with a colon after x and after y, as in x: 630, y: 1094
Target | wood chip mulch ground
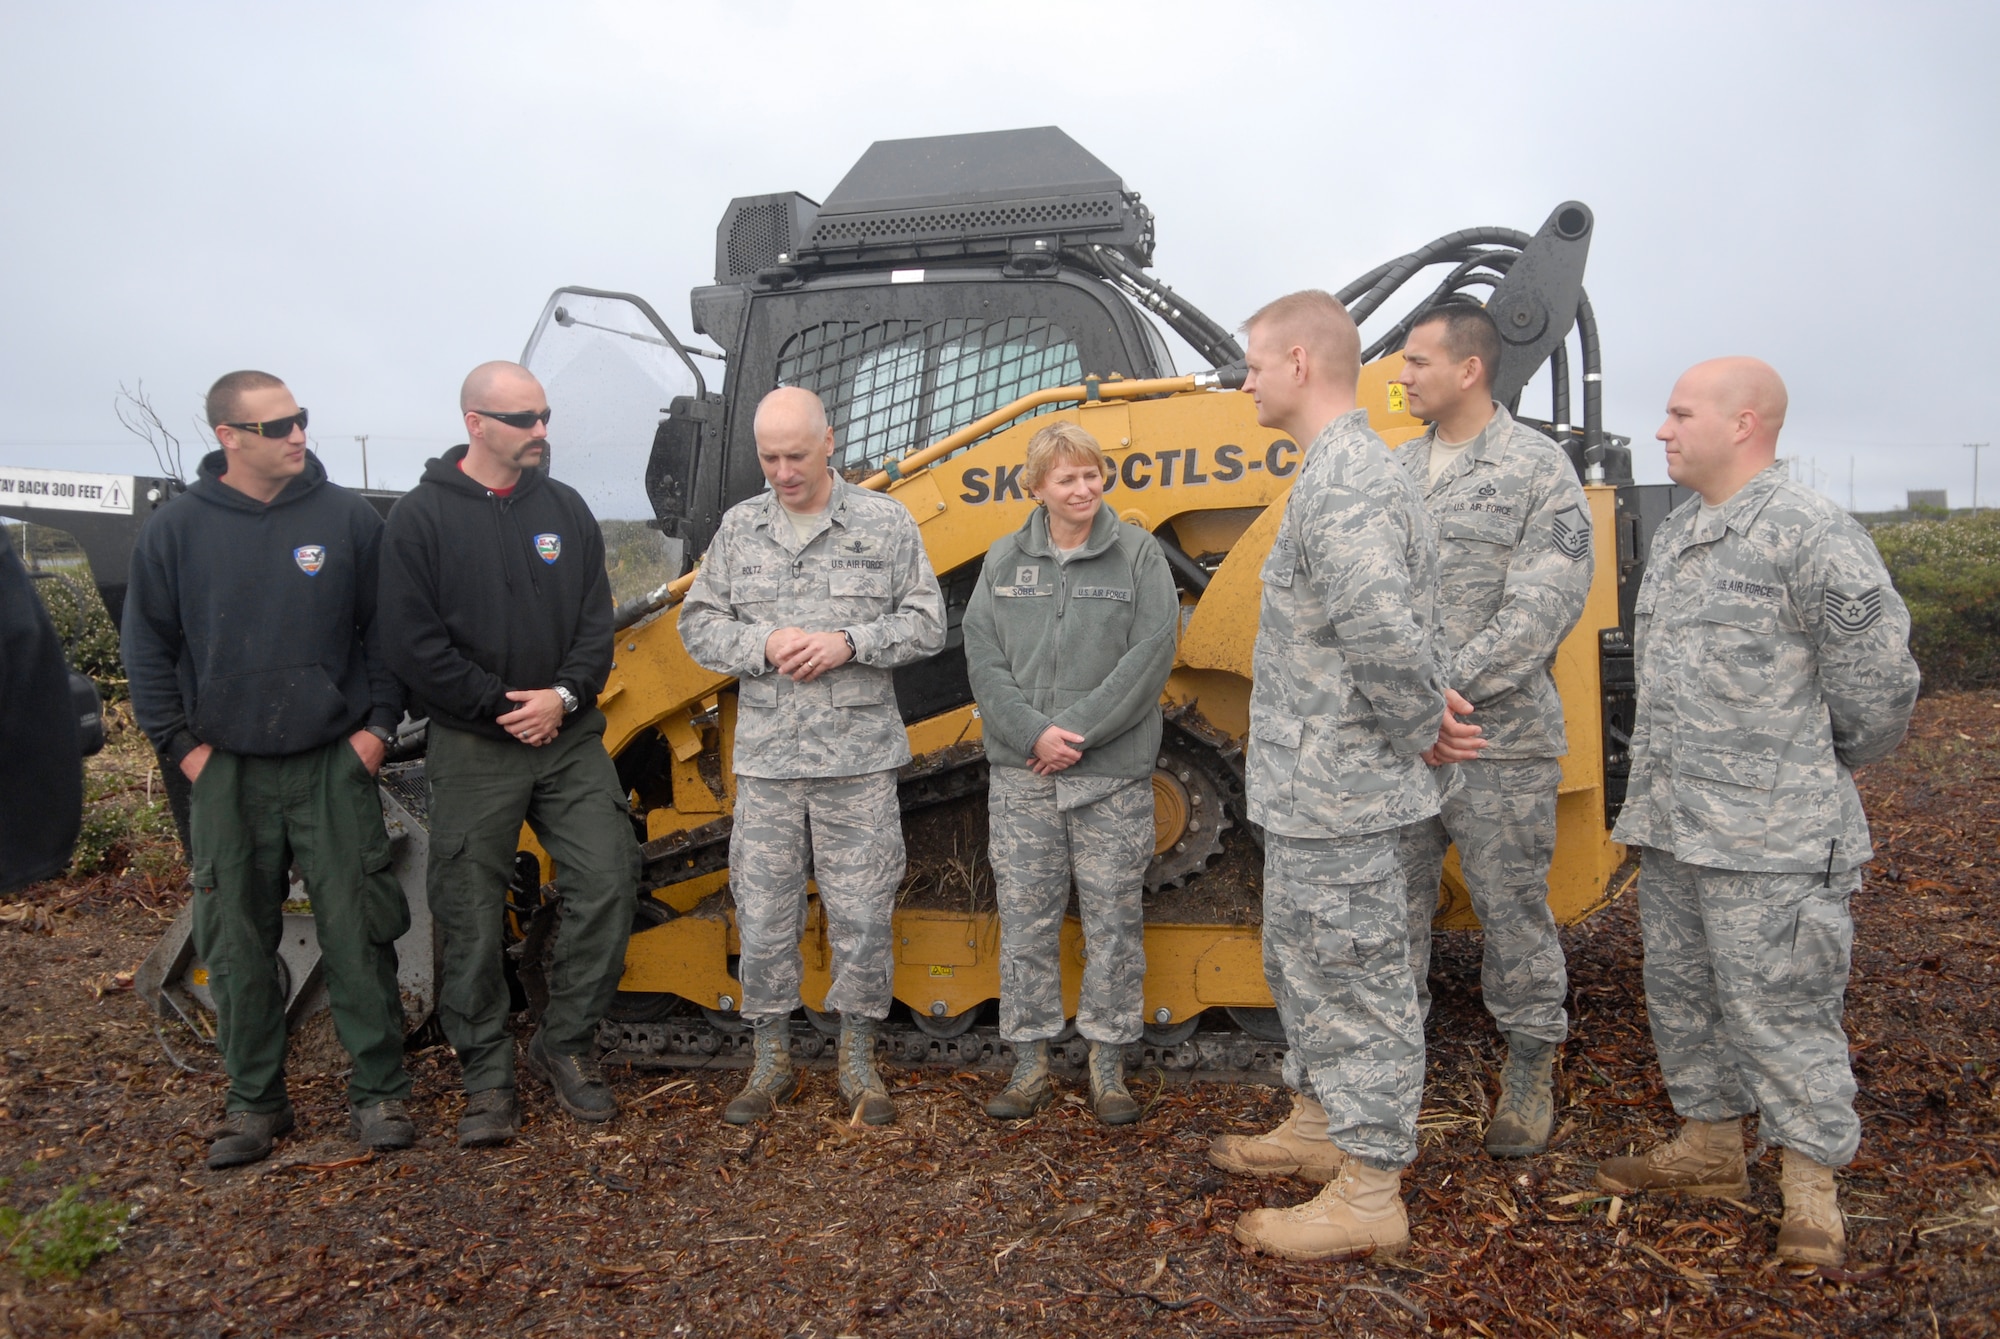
x: 671, y: 1223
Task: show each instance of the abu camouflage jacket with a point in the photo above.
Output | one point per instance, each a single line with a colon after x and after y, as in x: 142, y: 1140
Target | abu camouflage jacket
x: 862, y: 569
x: 1514, y: 568
x: 1772, y: 655
x: 1346, y: 687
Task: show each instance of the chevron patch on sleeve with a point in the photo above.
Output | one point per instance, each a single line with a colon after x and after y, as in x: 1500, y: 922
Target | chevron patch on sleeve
x: 1850, y: 614
x: 1571, y: 534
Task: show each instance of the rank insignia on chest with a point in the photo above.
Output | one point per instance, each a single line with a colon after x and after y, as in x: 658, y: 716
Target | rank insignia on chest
x: 548, y: 547
x: 1571, y: 534
x: 1854, y: 613
x: 310, y: 558
x: 1028, y: 574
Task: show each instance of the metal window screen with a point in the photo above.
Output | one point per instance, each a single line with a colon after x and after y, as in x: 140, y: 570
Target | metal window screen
x: 893, y: 387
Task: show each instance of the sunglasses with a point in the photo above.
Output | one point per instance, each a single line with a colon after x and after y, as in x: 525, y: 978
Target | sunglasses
x: 272, y: 427
x: 520, y: 419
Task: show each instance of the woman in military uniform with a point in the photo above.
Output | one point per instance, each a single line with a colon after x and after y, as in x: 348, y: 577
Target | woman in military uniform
x: 1069, y: 638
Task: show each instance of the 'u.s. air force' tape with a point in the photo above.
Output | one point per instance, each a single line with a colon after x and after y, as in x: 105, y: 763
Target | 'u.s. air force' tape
x: 1854, y: 613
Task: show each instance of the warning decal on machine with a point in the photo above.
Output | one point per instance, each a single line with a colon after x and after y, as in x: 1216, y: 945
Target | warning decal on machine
x: 64, y: 490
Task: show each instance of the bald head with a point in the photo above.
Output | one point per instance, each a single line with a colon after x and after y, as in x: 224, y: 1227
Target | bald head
x: 790, y: 409
x: 489, y: 381
x: 1740, y: 385
x: 1723, y: 420
x: 795, y: 448
x: 1304, y: 358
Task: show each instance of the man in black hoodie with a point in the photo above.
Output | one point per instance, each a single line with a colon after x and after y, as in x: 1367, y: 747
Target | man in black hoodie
x: 256, y: 666
x: 498, y: 614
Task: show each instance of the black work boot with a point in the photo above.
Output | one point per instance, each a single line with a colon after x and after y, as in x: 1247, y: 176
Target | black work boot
x: 492, y: 1116
x: 772, y: 1078
x: 245, y: 1136
x: 577, y: 1081
x: 1028, y: 1089
x: 860, y: 1085
x: 382, y: 1126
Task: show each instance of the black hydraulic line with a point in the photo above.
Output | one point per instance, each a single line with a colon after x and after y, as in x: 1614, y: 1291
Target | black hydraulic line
x: 1207, y: 337
x: 1394, y: 337
x: 1360, y: 286
x: 1185, y: 567
x: 1450, y: 246
x: 1559, y: 387
x: 1593, y: 381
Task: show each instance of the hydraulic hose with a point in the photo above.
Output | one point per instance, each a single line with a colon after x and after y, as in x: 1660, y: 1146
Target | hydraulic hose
x: 1207, y: 337
x: 1463, y: 275
x: 1593, y: 382
x: 1450, y: 246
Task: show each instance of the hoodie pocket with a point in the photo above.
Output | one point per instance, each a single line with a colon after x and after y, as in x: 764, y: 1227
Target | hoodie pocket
x: 271, y: 711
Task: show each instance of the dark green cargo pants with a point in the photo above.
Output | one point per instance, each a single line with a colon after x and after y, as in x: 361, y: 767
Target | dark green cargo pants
x: 250, y: 818
x: 482, y: 790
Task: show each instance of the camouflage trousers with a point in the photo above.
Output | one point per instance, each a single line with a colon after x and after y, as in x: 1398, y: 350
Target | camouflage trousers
x: 1044, y: 831
x: 849, y: 829
x: 1746, y: 975
x: 1336, y: 956
x: 1502, y: 816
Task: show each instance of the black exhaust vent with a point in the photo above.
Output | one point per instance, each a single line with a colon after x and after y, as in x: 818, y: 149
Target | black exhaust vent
x: 759, y: 232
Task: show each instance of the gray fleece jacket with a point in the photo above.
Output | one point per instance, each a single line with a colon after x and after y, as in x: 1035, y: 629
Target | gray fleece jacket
x: 1085, y: 645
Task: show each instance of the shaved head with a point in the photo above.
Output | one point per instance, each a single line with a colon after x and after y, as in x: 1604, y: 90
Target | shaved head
x: 1739, y: 384
x: 790, y: 409
x: 483, y: 381
x: 1722, y: 426
x: 795, y: 448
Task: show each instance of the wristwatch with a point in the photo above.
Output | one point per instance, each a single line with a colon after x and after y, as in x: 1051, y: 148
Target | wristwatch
x: 387, y: 737
x: 568, y: 699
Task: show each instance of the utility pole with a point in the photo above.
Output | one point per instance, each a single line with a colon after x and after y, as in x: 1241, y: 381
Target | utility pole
x: 1975, y: 448
x: 362, y: 438
x: 1850, y: 483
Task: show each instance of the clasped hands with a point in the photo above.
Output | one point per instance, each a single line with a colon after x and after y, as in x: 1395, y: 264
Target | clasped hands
x: 539, y: 717
x: 803, y: 656
x: 1458, y: 740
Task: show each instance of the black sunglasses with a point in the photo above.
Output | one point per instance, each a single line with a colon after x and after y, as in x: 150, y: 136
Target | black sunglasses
x: 272, y: 427
x: 519, y: 419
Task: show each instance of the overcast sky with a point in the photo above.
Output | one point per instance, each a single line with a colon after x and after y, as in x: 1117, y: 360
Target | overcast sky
x: 368, y: 199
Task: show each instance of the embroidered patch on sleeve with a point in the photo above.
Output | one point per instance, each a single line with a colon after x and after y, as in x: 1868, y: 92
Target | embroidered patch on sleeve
x: 1571, y: 534
x: 1850, y: 614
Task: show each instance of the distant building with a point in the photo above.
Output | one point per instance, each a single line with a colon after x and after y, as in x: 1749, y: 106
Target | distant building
x: 1929, y: 497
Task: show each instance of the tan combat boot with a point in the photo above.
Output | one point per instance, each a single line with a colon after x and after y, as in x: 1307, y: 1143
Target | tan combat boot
x: 1812, y: 1232
x: 1526, y: 1112
x: 1359, y: 1213
x: 1705, y: 1158
x: 1109, y: 1097
x: 772, y: 1078
x: 861, y: 1087
x: 1298, y: 1147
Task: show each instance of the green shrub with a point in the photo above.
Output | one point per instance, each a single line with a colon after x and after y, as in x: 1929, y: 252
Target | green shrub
x: 69, y: 593
x: 64, y: 1236
x: 1948, y: 572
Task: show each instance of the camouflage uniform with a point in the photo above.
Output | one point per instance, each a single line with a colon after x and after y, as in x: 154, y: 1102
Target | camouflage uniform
x: 1084, y: 643
x: 1772, y: 654
x: 1044, y: 829
x: 1346, y: 694
x: 818, y: 757
x: 1514, y: 569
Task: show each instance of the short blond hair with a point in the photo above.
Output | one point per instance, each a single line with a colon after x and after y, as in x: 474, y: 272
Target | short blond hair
x: 1062, y: 442
x: 1314, y: 320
